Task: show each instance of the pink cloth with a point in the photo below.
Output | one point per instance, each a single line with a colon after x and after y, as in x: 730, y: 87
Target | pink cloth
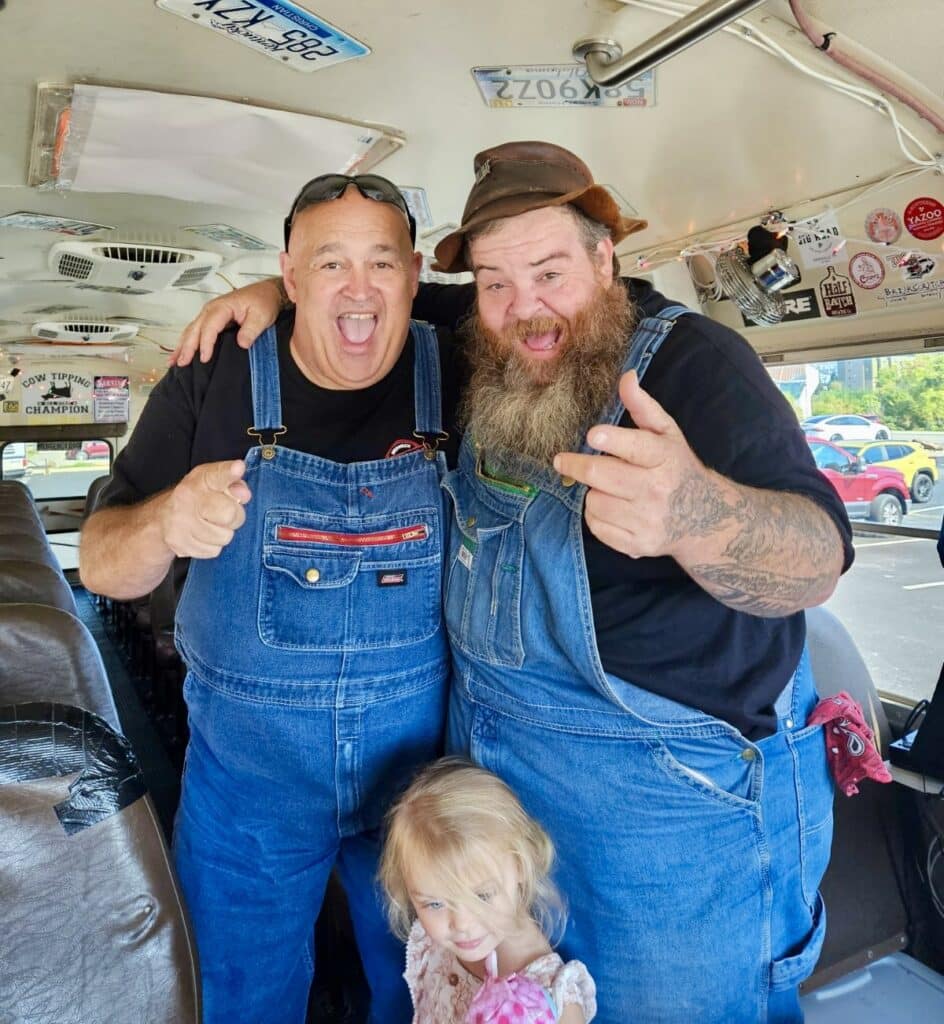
x: 850, y: 744
x: 444, y: 991
x: 512, y: 1000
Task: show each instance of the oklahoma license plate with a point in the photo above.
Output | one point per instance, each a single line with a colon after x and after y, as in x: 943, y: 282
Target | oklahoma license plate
x: 277, y: 28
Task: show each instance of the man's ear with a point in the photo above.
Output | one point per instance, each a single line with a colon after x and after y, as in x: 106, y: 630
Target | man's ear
x: 604, y: 259
x: 416, y: 265
x: 288, y: 275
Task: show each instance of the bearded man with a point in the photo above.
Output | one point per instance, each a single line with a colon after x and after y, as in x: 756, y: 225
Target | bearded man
x: 624, y: 588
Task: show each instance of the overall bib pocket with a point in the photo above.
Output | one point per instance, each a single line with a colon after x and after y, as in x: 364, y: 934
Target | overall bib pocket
x: 483, y: 578
x: 327, y: 585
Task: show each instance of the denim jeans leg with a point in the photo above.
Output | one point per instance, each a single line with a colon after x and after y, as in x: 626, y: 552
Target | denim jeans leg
x: 253, y: 892
x: 383, y: 955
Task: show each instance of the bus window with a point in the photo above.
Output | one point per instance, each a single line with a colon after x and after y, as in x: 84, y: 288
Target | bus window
x: 63, y: 469
x: 875, y: 426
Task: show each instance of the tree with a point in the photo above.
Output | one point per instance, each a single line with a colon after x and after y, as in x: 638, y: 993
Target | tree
x: 911, y: 392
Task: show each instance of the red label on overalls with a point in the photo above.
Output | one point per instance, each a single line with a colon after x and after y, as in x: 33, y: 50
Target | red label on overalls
x: 352, y: 540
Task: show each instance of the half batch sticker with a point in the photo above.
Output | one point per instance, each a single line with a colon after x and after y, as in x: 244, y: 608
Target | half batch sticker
x: 924, y: 218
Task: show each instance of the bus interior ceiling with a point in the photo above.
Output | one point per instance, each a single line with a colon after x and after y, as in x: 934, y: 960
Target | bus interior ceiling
x: 151, y: 148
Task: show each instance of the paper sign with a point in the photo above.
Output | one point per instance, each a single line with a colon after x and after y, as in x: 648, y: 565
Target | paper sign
x: 229, y: 235
x: 111, y: 396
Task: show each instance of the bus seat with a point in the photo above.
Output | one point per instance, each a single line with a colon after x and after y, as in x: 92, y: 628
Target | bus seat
x: 34, y: 583
x: 95, y: 489
x: 866, y: 915
x: 26, y: 545
x: 837, y: 665
x: 100, y: 929
x: 14, y: 494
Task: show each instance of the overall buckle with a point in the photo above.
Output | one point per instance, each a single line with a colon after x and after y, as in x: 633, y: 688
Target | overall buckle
x: 268, y: 449
x: 431, y: 441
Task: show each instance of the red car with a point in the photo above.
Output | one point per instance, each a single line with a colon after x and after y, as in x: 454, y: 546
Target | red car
x: 90, y: 450
x: 868, y: 492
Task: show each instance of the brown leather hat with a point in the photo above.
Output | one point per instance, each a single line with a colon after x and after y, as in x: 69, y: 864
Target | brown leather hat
x: 520, y: 176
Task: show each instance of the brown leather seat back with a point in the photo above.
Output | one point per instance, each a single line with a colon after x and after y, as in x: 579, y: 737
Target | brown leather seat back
x: 92, y: 924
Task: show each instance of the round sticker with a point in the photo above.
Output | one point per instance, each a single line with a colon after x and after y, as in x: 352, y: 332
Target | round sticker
x: 883, y: 226
x: 865, y: 268
x: 924, y: 218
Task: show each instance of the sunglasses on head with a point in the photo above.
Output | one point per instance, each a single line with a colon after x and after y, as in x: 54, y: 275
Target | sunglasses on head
x: 331, y: 186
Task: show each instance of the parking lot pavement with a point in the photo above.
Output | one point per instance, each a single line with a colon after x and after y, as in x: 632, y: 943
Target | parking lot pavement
x: 892, y: 602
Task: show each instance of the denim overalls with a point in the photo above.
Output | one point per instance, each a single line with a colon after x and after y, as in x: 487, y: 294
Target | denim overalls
x: 318, y: 669
x: 689, y: 857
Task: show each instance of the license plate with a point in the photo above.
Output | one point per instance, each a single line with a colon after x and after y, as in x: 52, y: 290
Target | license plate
x: 277, y: 28
x: 559, y: 85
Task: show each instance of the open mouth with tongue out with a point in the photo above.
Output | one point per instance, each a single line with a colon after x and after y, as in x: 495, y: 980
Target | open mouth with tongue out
x: 357, y: 328
x: 543, y: 345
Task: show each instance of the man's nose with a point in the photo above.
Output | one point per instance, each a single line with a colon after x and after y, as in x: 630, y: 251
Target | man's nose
x: 525, y: 304
x: 358, y: 284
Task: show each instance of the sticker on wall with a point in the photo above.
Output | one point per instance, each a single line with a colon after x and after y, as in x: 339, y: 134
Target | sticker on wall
x: 924, y: 218
x: 798, y: 305
x: 6, y: 385
x: 11, y: 406
x: 111, y: 397
x: 819, y: 240
x: 23, y: 221
x: 277, y: 28
x: 865, y: 268
x: 883, y: 226
x: 229, y: 235
x: 916, y: 265
x: 57, y: 394
x: 836, y: 293
x: 913, y: 291
x: 559, y: 85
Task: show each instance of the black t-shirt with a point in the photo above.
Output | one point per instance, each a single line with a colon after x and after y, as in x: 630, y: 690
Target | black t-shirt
x: 200, y: 413
x: 655, y: 626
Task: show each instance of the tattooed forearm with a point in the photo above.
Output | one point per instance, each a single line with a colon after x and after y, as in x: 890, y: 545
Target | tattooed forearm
x: 768, y: 553
x: 698, y: 506
x: 767, y: 594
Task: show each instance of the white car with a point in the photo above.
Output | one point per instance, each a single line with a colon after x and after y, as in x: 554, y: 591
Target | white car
x: 15, y: 462
x: 845, y: 427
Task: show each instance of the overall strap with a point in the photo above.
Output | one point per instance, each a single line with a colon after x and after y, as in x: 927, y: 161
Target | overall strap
x: 646, y: 340
x: 427, y: 386
x: 266, y: 394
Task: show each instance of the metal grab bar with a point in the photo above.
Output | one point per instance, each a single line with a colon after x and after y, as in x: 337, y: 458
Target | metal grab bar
x: 607, y: 67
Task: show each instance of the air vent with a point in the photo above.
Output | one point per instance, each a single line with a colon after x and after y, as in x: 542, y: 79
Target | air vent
x: 132, y: 268
x: 74, y: 266
x: 80, y: 332
x: 144, y: 254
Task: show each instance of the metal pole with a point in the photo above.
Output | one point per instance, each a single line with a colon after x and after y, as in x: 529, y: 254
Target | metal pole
x: 606, y: 70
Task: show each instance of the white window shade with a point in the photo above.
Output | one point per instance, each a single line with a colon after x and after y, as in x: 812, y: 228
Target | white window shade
x: 206, y: 150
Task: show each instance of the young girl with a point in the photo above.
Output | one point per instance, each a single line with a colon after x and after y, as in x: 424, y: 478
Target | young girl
x: 466, y: 875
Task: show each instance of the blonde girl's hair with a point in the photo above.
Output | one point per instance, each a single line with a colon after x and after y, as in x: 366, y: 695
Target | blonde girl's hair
x: 458, y: 822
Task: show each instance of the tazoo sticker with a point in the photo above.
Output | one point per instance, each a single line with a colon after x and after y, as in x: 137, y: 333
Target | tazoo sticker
x: 924, y: 218
x: 865, y: 268
x: 57, y: 394
x: 883, y: 226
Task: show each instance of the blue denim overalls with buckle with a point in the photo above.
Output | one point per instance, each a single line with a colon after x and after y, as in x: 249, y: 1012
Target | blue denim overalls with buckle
x: 318, y: 671
x: 689, y: 856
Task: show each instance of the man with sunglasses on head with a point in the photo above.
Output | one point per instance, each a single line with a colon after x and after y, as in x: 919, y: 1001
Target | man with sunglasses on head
x: 303, y: 481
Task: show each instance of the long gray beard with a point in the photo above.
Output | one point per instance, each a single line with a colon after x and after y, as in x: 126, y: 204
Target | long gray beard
x: 518, y: 411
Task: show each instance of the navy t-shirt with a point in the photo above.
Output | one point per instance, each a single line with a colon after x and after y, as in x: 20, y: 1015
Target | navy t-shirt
x: 655, y: 626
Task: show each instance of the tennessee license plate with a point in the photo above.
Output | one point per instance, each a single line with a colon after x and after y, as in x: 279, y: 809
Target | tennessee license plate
x: 277, y: 28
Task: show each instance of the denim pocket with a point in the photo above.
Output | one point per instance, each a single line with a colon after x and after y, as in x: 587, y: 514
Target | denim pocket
x: 483, y: 582
x: 789, y: 971
x: 711, y: 766
x: 327, y: 587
